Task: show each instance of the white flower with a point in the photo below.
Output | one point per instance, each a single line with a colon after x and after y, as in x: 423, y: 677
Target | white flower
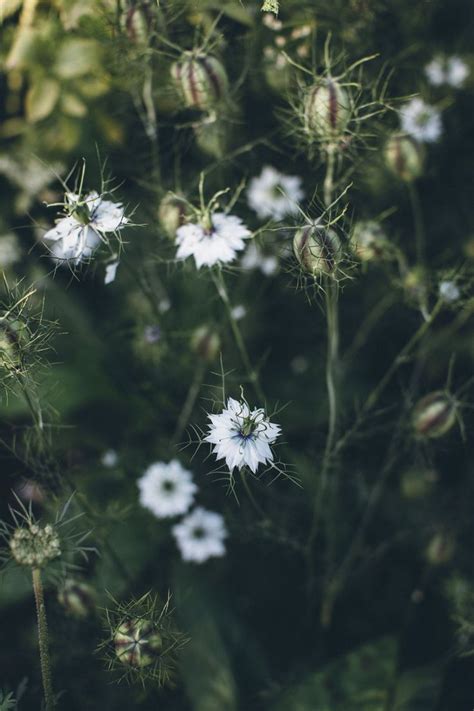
x: 110, y: 272
x: 274, y: 195
x: 453, y: 71
x: 242, y: 436
x: 167, y: 489
x: 109, y: 458
x: 239, y: 312
x: 78, y: 235
x: 449, y: 291
x: 421, y: 120
x: 255, y: 259
x: 209, y: 245
x: 200, y: 535
x: 10, y: 251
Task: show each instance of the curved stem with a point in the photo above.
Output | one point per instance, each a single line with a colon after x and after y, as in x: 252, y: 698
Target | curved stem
x: 190, y: 401
x: 43, y: 640
x: 418, y: 222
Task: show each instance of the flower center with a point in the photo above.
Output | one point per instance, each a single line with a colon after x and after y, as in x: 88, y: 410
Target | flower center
x: 199, y: 532
x: 168, y: 486
x: 82, y: 214
x: 247, y: 428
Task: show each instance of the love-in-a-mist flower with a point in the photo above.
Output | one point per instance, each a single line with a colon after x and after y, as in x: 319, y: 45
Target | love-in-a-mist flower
x: 214, y: 239
x: 449, y: 291
x: 89, y: 219
x: 242, y: 436
x: 447, y: 70
x: 421, y: 120
x: 167, y: 489
x: 201, y: 535
x: 274, y: 195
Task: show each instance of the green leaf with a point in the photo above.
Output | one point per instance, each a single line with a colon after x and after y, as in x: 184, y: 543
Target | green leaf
x: 77, y: 57
x: 41, y: 99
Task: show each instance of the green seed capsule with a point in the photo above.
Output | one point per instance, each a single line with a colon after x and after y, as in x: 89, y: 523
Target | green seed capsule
x: 317, y: 250
x: 434, y: 415
x: 172, y: 213
x: 404, y: 156
x: 206, y: 343
x: 326, y: 111
x: 77, y: 598
x: 137, y: 643
x: 202, y: 80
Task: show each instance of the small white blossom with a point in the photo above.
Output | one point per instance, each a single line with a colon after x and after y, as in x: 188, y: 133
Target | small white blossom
x: 110, y: 272
x: 255, y: 259
x: 449, y: 291
x: 452, y: 71
x: 10, y: 251
x: 421, y: 120
x: 167, y: 489
x: 274, y: 195
x: 78, y: 235
x: 200, y: 535
x: 242, y: 436
x: 239, y: 312
x: 213, y: 244
x: 109, y: 458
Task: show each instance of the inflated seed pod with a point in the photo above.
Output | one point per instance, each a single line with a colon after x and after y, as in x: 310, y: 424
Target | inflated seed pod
x: 434, y: 415
x: 201, y: 78
x: 317, y: 249
x: 404, y: 156
x: 326, y: 110
x: 137, y: 643
x: 172, y: 213
x: 77, y: 598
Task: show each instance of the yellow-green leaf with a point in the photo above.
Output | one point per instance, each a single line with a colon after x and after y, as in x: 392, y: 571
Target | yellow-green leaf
x: 41, y: 99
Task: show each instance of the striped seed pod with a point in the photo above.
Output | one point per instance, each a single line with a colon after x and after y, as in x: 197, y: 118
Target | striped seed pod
x: 136, y: 20
x: 326, y: 110
x: 318, y: 250
x: 404, y: 156
x: 137, y: 643
x: 202, y: 80
x: 77, y: 598
x: 434, y: 415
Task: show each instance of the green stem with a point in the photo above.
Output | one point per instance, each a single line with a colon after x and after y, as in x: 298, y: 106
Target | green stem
x: 252, y: 375
x: 190, y: 401
x: 418, y: 222
x: 43, y: 640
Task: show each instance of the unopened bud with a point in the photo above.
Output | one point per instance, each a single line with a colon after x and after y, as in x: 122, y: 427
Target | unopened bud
x: 440, y: 549
x: 318, y: 250
x: 35, y: 545
x: 327, y: 110
x: 212, y: 137
x: 370, y: 241
x: 416, y: 483
x: 206, y: 343
x: 404, y: 156
x: 434, y: 415
x: 77, y: 598
x: 202, y: 80
x: 172, y: 214
x: 137, y: 643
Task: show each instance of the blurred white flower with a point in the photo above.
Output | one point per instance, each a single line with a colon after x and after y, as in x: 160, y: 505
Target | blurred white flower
x: 10, y: 251
x: 167, y: 489
x: 255, y: 259
x: 242, y: 436
x: 214, y: 243
x: 449, y: 291
x: 420, y: 120
x: 274, y: 195
x: 451, y: 70
x: 238, y: 312
x: 109, y: 458
x: 110, y: 272
x: 78, y: 235
x: 200, y: 535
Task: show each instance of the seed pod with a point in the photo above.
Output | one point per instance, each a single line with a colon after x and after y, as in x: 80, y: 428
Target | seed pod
x: 434, y: 415
x: 416, y: 483
x: 212, y: 137
x: 172, y: 213
x: 137, y: 643
x: 440, y: 549
x: 206, y: 343
x: 404, y: 156
x: 77, y: 598
x: 136, y: 22
x: 202, y: 80
x: 370, y: 241
x: 318, y: 250
x: 326, y: 110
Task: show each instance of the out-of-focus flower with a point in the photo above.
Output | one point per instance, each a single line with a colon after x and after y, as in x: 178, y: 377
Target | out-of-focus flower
x: 167, y: 489
x: 10, y: 251
x: 242, y: 436
x: 274, y: 195
x: 211, y: 242
x: 238, y: 312
x: 77, y: 236
x: 447, y: 70
x: 254, y: 258
x: 111, y: 272
x: 152, y: 334
x: 449, y: 291
x: 201, y: 535
x: 109, y: 458
x: 421, y: 120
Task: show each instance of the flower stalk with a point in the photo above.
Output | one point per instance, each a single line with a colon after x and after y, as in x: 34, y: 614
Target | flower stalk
x: 43, y: 643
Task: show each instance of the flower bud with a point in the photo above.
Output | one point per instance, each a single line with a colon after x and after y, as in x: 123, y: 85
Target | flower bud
x: 404, y: 156
x: 202, y: 80
x: 370, y: 241
x: 206, y: 343
x: 35, y: 545
x: 434, y: 415
x: 137, y: 643
x: 416, y: 483
x: 326, y: 110
x: 172, y: 213
x: 318, y: 250
x: 212, y: 137
x: 440, y: 549
x: 77, y: 598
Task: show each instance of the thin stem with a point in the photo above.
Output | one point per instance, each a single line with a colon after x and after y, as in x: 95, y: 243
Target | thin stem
x: 190, y: 401
x: 252, y: 374
x: 45, y: 662
x: 418, y: 222
x: 329, y: 177
x: 249, y: 493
